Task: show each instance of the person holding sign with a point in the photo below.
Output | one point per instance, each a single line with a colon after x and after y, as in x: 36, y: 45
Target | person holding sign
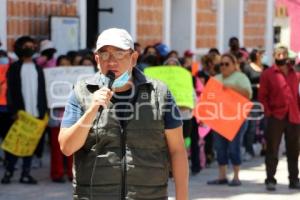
x: 279, y: 94
x: 225, y: 150
x: 123, y: 141
x: 25, y: 91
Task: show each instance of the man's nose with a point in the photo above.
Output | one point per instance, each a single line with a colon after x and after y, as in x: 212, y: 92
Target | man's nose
x: 281, y: 56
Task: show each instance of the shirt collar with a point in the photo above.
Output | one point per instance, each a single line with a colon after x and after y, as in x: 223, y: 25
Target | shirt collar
x: 139, y: 77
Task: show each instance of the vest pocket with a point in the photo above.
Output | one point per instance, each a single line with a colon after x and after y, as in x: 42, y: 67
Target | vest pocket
x: 147, y: 167
x: 107, y: 169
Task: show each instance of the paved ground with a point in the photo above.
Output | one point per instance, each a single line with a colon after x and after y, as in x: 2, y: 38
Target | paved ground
x: 252, y: 176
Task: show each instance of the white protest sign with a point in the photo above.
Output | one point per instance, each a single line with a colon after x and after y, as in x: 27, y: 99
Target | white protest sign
x: 60, y: 81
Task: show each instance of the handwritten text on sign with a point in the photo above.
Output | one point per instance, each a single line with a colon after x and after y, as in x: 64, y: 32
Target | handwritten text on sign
x: 24, y: 135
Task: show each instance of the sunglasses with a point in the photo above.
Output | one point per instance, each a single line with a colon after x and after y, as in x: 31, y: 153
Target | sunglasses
x: 226, y: 64
x: 118, y: 55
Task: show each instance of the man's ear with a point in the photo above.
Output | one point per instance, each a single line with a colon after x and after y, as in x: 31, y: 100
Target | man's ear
x: 97, y: 59
x: 96, y: 56
x: 134, y: 58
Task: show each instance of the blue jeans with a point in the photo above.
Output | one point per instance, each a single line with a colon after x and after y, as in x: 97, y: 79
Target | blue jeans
x: 229, y: 150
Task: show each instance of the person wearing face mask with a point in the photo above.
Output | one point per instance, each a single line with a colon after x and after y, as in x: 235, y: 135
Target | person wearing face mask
x: 25, y: 91
x: 279, y: 94
x: 125, y: 150
x: 149, y: 58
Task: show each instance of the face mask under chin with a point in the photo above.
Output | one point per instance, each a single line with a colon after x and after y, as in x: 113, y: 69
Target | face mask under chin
x: 121, y: 80
x: 118, y: 82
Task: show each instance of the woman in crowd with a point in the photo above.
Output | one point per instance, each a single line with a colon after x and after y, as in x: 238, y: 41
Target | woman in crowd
x: 225, y: 150
x: 253, y: 71
x: 59, y: 163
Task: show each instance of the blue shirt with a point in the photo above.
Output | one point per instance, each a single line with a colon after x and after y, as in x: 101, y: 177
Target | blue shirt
x: 73, y: 113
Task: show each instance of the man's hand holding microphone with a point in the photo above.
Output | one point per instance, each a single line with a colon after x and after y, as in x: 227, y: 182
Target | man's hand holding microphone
x: 102, y: 96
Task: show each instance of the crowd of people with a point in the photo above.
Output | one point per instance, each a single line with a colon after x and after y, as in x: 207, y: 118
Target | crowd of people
x: 274, y: 87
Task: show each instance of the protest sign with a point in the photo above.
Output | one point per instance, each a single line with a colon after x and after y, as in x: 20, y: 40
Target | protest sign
x: 24, y: 135
x: 222, y: 109
x: 179, y: 81
x: 3, y: 84
x: 60, y: 81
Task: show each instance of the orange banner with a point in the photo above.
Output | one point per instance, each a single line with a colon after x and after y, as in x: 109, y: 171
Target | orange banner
x: 222, y: 109
x: 3, y: 84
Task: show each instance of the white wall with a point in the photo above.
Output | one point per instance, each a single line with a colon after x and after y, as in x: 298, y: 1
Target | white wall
x: 82, y: 13
x: 121, y: 16
x: 269, y: 43
x: 181, y: 25
x: 167, y: 22
x: 285, y: 34
x: 220, y: 25
x: 133, y: 19
x: 232, y: 22
x: 3, y: 23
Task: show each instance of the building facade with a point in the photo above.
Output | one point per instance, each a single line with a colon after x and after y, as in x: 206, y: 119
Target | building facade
x: 287, y: 23
x: 190, y: 24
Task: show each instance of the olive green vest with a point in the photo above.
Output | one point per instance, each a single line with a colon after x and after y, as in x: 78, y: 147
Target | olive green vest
x: 100, y: 171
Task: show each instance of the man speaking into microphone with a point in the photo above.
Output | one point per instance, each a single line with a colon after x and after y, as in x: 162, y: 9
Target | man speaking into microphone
x: 123, y: 129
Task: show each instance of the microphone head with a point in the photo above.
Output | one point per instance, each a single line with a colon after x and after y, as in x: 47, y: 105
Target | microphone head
x: 111, y: 76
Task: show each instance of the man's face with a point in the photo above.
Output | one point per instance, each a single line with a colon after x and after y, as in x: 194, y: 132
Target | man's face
x: 234, y: 44
x: 280, y: 55
x: 115, y: 59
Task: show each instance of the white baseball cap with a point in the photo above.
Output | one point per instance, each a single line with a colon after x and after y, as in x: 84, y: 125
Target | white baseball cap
x: 116, y: 37
x: 46, y: 44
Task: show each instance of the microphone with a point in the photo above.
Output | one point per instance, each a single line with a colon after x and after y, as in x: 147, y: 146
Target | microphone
x: 111, y: 78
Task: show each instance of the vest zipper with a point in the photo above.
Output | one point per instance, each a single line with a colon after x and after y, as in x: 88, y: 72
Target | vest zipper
x: 123, y: 168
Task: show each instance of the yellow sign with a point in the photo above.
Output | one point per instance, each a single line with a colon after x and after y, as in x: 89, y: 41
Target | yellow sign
x: 179, y: 81
x: 24, y: 135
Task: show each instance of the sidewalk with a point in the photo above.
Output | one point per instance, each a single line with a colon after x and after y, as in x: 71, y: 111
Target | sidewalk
x: 252, y: 176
